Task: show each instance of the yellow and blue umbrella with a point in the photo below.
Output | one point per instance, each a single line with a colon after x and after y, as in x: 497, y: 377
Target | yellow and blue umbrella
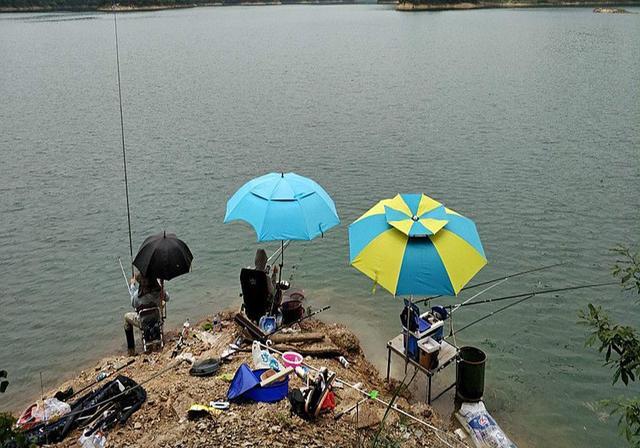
x: 413, y: 245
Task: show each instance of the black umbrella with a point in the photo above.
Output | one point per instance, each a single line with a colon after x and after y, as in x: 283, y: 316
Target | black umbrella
x: 163, y: 256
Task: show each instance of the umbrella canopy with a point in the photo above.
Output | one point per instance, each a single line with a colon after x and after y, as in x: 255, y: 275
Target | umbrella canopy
x: 163, y: 256
x: 413, y: 245
x: 283, y: 206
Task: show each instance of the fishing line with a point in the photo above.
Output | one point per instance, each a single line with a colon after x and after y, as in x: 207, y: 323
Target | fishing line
x: 478, y: 294
x: 523, y: 297
x: 495, y: 312
x: 535, y: 293
x: 517, y: 274
x: 124, y: 152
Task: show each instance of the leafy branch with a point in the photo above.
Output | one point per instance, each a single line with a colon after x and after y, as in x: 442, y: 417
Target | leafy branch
x: 620, y: 345
x: 627, y: 269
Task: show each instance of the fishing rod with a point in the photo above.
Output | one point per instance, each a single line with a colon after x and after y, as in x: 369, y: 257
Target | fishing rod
x: 124, y: 152
x: 125, y: 391
x: 279, y: 250
x: 131, y: 361
x: 494, y: 313
x: 517, y: 274
x: 535, y: 293
x: 300, y: 320
x: 126, y: 280
x: 453, y: 310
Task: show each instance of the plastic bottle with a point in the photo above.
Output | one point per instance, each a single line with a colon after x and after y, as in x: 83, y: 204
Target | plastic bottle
x: 344, y: 362
x: 101, y: 376
x: 95, y: 440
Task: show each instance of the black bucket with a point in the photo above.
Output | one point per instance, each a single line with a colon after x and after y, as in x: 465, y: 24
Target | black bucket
x: 470, y: 374
x: 292, y: 310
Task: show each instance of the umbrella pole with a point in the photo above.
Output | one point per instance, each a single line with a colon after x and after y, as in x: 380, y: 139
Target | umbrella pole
x: 281, y: 261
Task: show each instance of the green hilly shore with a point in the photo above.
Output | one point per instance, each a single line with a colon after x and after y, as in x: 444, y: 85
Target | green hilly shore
x: 142, y: 5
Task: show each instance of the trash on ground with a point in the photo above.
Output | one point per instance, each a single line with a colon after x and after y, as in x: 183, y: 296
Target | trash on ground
x: 94, y: 440
x: 197, y: 411
x: 482, y: 428
x: 262, y: 359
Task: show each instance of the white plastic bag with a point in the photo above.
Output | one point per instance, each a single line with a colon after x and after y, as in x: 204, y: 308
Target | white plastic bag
x: 262, y: 359
x: 482, y: 428
x: 52, y: 410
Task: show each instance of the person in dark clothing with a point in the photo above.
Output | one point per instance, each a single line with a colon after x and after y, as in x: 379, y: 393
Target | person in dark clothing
x: 145, y: 293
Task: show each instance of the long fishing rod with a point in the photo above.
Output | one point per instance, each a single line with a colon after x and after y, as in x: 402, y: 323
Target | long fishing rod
x: 126, y: 280
x: 454, y: 309
x: 494, y: 313
x: 300, y: 320
x: 131, y: 361
x: 276, y: 254
x: 535, y: 293
x: 517, y: 274
x: 124, y: 152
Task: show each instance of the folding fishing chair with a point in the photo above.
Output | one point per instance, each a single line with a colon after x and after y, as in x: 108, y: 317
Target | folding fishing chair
x: 255, y: 293
x: 152, y: 328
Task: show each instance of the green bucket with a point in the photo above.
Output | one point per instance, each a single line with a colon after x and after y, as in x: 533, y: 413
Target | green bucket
x: 470, y: 374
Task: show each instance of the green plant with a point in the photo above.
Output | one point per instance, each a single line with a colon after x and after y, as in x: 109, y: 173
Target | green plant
x: 620, y: 345
x: 9, y: 436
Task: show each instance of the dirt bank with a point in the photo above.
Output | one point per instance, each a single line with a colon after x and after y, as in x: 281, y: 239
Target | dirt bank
x: 161, y: 421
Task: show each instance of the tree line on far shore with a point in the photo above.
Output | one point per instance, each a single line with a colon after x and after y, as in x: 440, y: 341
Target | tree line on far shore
x: 86, y: 4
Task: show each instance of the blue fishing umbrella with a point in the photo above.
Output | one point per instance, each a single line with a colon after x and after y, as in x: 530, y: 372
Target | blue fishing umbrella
x: 283, y: 206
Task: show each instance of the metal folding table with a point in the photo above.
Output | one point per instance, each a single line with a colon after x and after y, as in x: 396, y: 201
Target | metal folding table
x: 446, y: 356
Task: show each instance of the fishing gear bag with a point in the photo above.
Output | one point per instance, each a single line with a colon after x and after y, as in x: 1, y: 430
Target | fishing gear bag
x: 297, y: 399
x: 123, y: 397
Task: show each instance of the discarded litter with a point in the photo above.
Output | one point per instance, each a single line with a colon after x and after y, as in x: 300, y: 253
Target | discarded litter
x: 95, y: 440
x: 262, y: 359
x: 482, y: 428
x: 222, y: 405
x: 186, y: 356
x: 198, y: 411
x: 49, y: 411
x: 226, y: 377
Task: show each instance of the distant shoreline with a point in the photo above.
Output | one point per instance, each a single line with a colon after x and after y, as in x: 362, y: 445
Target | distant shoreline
x: 400, y: 5
x: 176, y: 6
x: 407, y: 6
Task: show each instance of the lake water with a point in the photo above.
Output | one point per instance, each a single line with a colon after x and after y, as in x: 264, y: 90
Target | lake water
x: 527, y: 121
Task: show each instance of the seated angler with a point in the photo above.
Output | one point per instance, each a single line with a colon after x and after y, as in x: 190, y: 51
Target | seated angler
x: 146, y: 294
x: 261, y: 265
